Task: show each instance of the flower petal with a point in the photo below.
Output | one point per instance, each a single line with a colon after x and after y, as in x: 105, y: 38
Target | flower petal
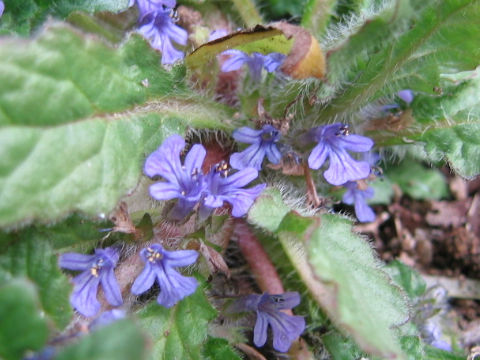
x: 176, y: 33
x: 174, y: 286
x: 260, y: 329
x: 355, y: 143
x: 273, y: 61
x: 364, y: 212
x: 240, y: 178
x: 144, y: 281
x: 84, y: 296
x: 247, y: 135
x: 75, y: 261
x: 285, y: 329
x: 406, y: 95
x: 343, y: 168
x: 273, y: 154
x: 252, y: 157
x: 194, y: 158
x: 213, y: 201
x: 318, y: 156
x: 286, y: 300
x: 242, y: 199
x: 165, y: 191
x: 180, y: 257
x: 165, y: 161
x: 111, y: 288
x: 235, y: 62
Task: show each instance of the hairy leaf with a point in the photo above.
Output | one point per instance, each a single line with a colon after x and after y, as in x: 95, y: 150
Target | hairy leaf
x: 419, y: 182
x: 63, y: 75
x: 343, y: 276
x: 119, y: 341
x: 178, y: 332
x: 24, y: 16
x: 418, y: 56
x: 47, y: 172
x: 22, y: 327
x: 219, y: 349
x: 30, y: 255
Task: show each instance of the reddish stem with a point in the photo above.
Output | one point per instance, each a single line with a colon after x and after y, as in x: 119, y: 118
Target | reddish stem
x: 262, y: 268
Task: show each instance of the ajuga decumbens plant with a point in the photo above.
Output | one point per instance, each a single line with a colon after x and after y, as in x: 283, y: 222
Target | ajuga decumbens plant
x: 186, y: 179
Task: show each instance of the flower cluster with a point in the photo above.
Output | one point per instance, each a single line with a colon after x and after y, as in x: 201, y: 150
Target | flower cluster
x: 255, y: 61
x: 160, y: 264
x: 285, y: 328
x: 157, y: 25
x: 190, y: 186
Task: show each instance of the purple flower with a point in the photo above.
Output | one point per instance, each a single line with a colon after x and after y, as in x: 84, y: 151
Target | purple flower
x: 358, y: 197
x: 184, y: 182
x: 263, y: 143
x: 107, y: 318
x: 406, y: 95
x: 220, y: 187
x: 256, y: 62
x: 333, y: 142
x: 285, y: 328
x: 156, y: 25
x: 96, y: 269
x: 160, y: 264
x: 2, y: 7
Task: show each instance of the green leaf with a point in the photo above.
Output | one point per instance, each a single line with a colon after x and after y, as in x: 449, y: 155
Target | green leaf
x: 219, y: 349
x: 276, y: 9
x: 317, y: 14
x: 178, y: 332
x: 24, y: 16
x: 383, y: 191
x: 459, y: 145
x: 447, y: 126
x: 22, y: 327
x: 419, y: 54
x: 121, y: 340
x: 261, y: 39
x: 417, y: 181
x: 355, y: 285
x: 75, y: 76
x: 341, y: 348
x: 406, y: 277
x: 416, y: 349
x: 47, y: 172
x: 269, y: 210
x: 29, y: 254
x: 342, y: 274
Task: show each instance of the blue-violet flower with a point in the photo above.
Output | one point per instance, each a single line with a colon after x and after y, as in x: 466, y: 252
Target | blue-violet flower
x: 96, y: 269
x: 107, y: 318
x: 256, y: 62
x: 220, y: 187
x: 156, y: 25
x: 406, y: 96
x: 285, y: 328
x: 184, y: 182
x: 358, y: 197
x: 333, y: 142
x: 263, y: 143
x: 160, y: 265
x: 2, y: 7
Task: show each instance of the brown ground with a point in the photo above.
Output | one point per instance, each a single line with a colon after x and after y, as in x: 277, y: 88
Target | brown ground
x: 441, y: 239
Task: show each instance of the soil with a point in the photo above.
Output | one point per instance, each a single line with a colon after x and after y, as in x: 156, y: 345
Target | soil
x: 440, y: 239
